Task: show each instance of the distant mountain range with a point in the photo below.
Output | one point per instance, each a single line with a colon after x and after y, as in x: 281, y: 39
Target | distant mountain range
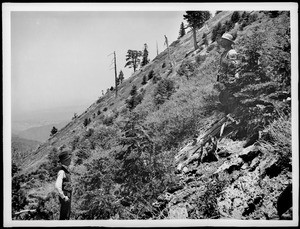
x: 27, y: 120
x: 21, y: 148
x: 41, y: 133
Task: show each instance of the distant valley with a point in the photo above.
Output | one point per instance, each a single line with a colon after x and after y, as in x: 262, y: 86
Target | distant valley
x: 40, y: 133
x: 36, y: 125
x: 21, y: 148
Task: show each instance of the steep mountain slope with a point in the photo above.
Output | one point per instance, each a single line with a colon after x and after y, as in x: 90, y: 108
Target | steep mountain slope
x: 108, y: 104
x: 136, y: 155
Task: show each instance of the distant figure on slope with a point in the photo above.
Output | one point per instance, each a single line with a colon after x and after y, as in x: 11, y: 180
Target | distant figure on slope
x: 209, y: 151
x: 227, y: 73
x: 63, y: 185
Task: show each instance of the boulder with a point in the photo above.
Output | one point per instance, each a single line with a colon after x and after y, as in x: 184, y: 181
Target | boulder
x: 185, y: 170
x: 178, y: 212
x: 266, y: 164
x: 223, y: 152
x: 229, y: 166
x: 285, y: 200
x: 249, y: 153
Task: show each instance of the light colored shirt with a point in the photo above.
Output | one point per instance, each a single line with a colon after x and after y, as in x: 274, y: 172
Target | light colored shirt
x: 58, y: 184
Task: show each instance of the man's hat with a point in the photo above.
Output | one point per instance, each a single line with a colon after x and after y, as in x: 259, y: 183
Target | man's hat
x: 228, y: 37
x: 64, y: 155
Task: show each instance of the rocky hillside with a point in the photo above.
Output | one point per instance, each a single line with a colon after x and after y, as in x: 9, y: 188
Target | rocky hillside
x: 165, y: 148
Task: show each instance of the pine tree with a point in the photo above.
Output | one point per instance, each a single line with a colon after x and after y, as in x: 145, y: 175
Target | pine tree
x: 196, y: 20
x: 265, y: 75
x: 181, y: 31
x: 163, y: 91
x: 133, y: 90
x: 121, y: 77
x: 144, y: 80
x: 215, y: 35
x: 235, y: 17
x: 145, y: 59
x: 204, y: 38
x: 53, y: 131
x: 134, y: 99
x: 133, y: 59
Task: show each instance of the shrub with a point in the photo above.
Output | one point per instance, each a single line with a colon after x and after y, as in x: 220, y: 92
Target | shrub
x: 144, y: 80
x: 86, y: 121
x: 52, y: 167
x: 252, y: 18
x: 207, y: 205
x: 14, y: 169
x: 105, y: 109
x: 278, y: 136
x: 273, y: 14
x: 277, y: 140
x: 92, y: 194
x: 90, y: 132
x: 150, y: 75
x: 100, y: 99
x: 82, y: 155
x: 216, y: 33
x: 133, y: 90
x: 174, y: 43
x: 204, y: 39
x: 133, y: 101
x: 235, y: 17
x: 163, y: 91
x: 105, y: 136
x: 228, y: 26
x: 210, y: 47
x: 246, y: 19
x: 178, y: 118
x: 156, y: 78
x: 143, y: 171
x: 108, y: 120
x: 265, y: 74
x: 187, y: 68
x: 53, y: 131
x: 19, y: 200
x: 74, y: 142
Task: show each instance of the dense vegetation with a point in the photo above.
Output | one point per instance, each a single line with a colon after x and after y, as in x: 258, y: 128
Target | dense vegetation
x: 125, y: 162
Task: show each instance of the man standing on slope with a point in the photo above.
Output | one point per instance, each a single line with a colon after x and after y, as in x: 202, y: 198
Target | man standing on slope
x: 63, y: 185
x: 227, y: 74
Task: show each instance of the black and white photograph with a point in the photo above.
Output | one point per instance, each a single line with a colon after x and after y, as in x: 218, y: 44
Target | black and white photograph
x: 150, y: 114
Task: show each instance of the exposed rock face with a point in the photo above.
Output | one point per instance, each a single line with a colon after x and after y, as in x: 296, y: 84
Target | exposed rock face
x: 243, y: 183
x: 285, y: 200
x: 178, y: 212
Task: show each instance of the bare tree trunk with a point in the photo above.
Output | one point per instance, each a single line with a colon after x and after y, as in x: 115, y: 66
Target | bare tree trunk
x: 116, y: 85
x: 195, y: 39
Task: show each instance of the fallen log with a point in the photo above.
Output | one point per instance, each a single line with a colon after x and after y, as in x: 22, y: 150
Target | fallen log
x: 24, y: 211
x: 215, y: 130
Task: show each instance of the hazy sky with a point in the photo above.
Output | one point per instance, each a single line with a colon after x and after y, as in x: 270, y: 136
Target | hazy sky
x: 63, y: 58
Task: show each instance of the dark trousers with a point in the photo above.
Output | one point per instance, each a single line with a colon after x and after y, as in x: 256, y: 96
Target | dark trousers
x: 65, y: 209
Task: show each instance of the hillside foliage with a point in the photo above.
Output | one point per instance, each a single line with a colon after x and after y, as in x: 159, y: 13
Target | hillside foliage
x: 124, y: 157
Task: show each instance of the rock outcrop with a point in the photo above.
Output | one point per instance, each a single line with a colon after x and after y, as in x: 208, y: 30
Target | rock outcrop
x: 254, y: 186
